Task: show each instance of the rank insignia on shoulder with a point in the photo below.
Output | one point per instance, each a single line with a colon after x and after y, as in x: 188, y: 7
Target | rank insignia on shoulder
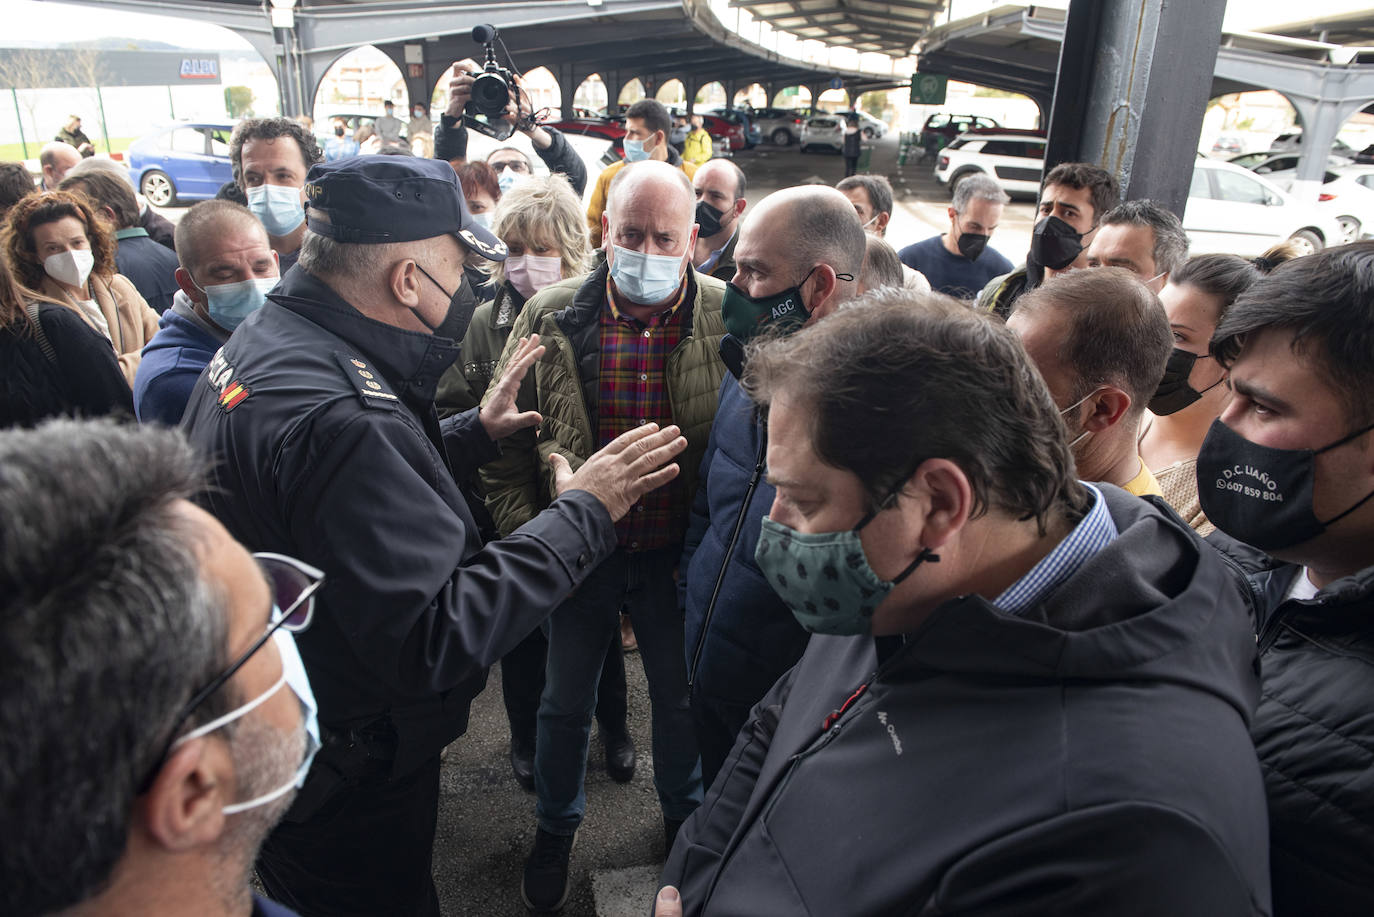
x: 368, y: 384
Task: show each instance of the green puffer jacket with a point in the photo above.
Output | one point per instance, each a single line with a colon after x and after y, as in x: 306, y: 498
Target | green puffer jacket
x: 563, y: 387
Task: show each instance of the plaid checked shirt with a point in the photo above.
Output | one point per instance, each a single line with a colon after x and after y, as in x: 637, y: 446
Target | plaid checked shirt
x: 633, y: 391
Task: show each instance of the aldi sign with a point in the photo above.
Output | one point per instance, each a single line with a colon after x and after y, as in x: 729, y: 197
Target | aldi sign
x: 200, y: 68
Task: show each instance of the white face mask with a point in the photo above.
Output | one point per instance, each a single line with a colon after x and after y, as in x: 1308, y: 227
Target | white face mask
x: 293, y: 675
x: 531, y: 273
x: 71, y: 267
x: 646, y: 279
x: 1079, y: 438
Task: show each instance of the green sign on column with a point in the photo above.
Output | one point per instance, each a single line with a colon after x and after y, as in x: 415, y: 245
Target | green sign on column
x: 928, y: 88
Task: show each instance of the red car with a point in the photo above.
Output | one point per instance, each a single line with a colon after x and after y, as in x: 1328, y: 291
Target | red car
x: 590, y: 127
x: 724, y: 135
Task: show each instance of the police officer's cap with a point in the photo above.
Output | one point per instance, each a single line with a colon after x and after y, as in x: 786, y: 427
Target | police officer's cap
x: 379, y: 199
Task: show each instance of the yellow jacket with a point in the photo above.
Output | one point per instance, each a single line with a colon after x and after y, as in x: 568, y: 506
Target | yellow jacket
x: 597, y: 205
x: 697, y: 149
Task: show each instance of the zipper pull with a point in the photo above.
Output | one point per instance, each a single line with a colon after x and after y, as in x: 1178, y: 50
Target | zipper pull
x: 836, y: 714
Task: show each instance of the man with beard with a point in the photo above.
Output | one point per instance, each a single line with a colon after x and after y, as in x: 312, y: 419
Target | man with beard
x: 720, y: 186
x: 1073, y: 199
x: 196, y: 719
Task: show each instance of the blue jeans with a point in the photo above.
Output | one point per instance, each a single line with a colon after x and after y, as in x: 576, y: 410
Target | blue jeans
x: 579, y: 633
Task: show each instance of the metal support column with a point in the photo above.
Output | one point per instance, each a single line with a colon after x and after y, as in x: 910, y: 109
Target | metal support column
x: 1112, y: 105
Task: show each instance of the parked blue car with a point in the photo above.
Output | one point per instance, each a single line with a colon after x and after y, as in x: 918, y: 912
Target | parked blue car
x: 182, y: 162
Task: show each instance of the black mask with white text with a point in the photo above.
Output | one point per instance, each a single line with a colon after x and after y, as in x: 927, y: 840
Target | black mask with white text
x: 1259, y: 494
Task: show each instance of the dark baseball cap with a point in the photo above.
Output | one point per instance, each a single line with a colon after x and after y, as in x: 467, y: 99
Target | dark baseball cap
x: 378, y: 199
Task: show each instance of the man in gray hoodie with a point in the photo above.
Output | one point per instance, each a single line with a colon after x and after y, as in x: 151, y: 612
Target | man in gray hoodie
x: 1025, y: 694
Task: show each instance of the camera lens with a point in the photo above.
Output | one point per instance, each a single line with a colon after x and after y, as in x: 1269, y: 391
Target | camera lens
x: 490, y: 94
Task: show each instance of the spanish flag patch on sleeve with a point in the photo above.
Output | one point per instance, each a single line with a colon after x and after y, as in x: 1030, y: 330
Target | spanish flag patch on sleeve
x: 233, y: 393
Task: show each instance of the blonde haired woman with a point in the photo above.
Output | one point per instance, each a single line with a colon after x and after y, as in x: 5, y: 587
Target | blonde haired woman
x: 545, y: 231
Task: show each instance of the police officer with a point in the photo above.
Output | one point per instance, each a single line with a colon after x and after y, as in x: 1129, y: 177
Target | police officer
x: 320, y: 408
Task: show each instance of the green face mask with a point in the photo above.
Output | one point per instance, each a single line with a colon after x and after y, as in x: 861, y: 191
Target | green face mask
x: 747, y: 316
x: 825, y: 578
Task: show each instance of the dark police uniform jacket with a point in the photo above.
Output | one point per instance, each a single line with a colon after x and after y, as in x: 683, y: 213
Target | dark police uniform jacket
x: 321, y: 423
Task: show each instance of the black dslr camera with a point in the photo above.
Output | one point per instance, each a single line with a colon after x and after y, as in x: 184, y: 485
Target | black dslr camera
x: 492, y: 90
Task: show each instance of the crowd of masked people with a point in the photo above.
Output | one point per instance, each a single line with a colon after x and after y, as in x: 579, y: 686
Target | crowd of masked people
x: 959, y: 586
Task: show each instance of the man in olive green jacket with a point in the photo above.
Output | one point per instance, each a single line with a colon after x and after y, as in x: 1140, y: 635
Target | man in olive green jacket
x: 633, y: 342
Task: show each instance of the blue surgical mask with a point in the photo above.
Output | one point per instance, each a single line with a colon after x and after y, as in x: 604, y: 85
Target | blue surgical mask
x: 278, y: 207
x: 293, y: 676
x: 230, y: 303
x: 646, y: 279
x: 509, y: 179
x: 634, y: 150
x: 483, y: 220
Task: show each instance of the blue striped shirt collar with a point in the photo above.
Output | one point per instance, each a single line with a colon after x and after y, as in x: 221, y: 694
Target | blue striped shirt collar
x: 1093, y: 533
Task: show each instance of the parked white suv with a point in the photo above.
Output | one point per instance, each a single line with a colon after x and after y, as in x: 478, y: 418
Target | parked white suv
x: 1014, y: 158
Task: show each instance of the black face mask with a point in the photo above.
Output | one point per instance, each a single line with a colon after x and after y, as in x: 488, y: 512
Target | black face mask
x: 1261, y: 495
x: 708, y: 218
x: 1174, y: 393
x: 1055, y: 244
x: 971, y: 244
x: 462, y: 302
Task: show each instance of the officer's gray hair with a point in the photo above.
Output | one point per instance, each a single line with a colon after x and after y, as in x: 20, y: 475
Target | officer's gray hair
x: 978, y: 187
x: 107, y: 628
x: 328, y: 258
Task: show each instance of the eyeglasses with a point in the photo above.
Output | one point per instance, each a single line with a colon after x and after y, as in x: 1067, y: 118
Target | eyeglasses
x: 515, y: 165
x: 294, y: 584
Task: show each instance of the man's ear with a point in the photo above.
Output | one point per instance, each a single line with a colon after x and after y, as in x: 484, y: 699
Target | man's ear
x: 945, y: 496
x: 1106, y: 407
x: 953, y: 215
x: 182, y: 810
x: 882, y: 221
x: 188, y: 286
x: 403, y: 279
x: 739, y: 207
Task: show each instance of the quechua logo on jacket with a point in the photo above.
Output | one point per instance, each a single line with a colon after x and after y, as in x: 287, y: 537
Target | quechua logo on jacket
x: 230, y: 391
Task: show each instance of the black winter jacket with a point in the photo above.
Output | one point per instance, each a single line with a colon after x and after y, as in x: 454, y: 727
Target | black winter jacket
x: 1314, y: 731
x: 85, y: 380
x: 1090, y: 757
x: 330, y: 451
x: 740, y: 637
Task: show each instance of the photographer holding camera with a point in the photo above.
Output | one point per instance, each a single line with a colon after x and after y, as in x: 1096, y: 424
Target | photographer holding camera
x: 451, y: 136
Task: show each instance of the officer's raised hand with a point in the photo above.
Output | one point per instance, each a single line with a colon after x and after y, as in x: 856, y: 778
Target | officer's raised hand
x: 500, y: 417
x: 630, y: 466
